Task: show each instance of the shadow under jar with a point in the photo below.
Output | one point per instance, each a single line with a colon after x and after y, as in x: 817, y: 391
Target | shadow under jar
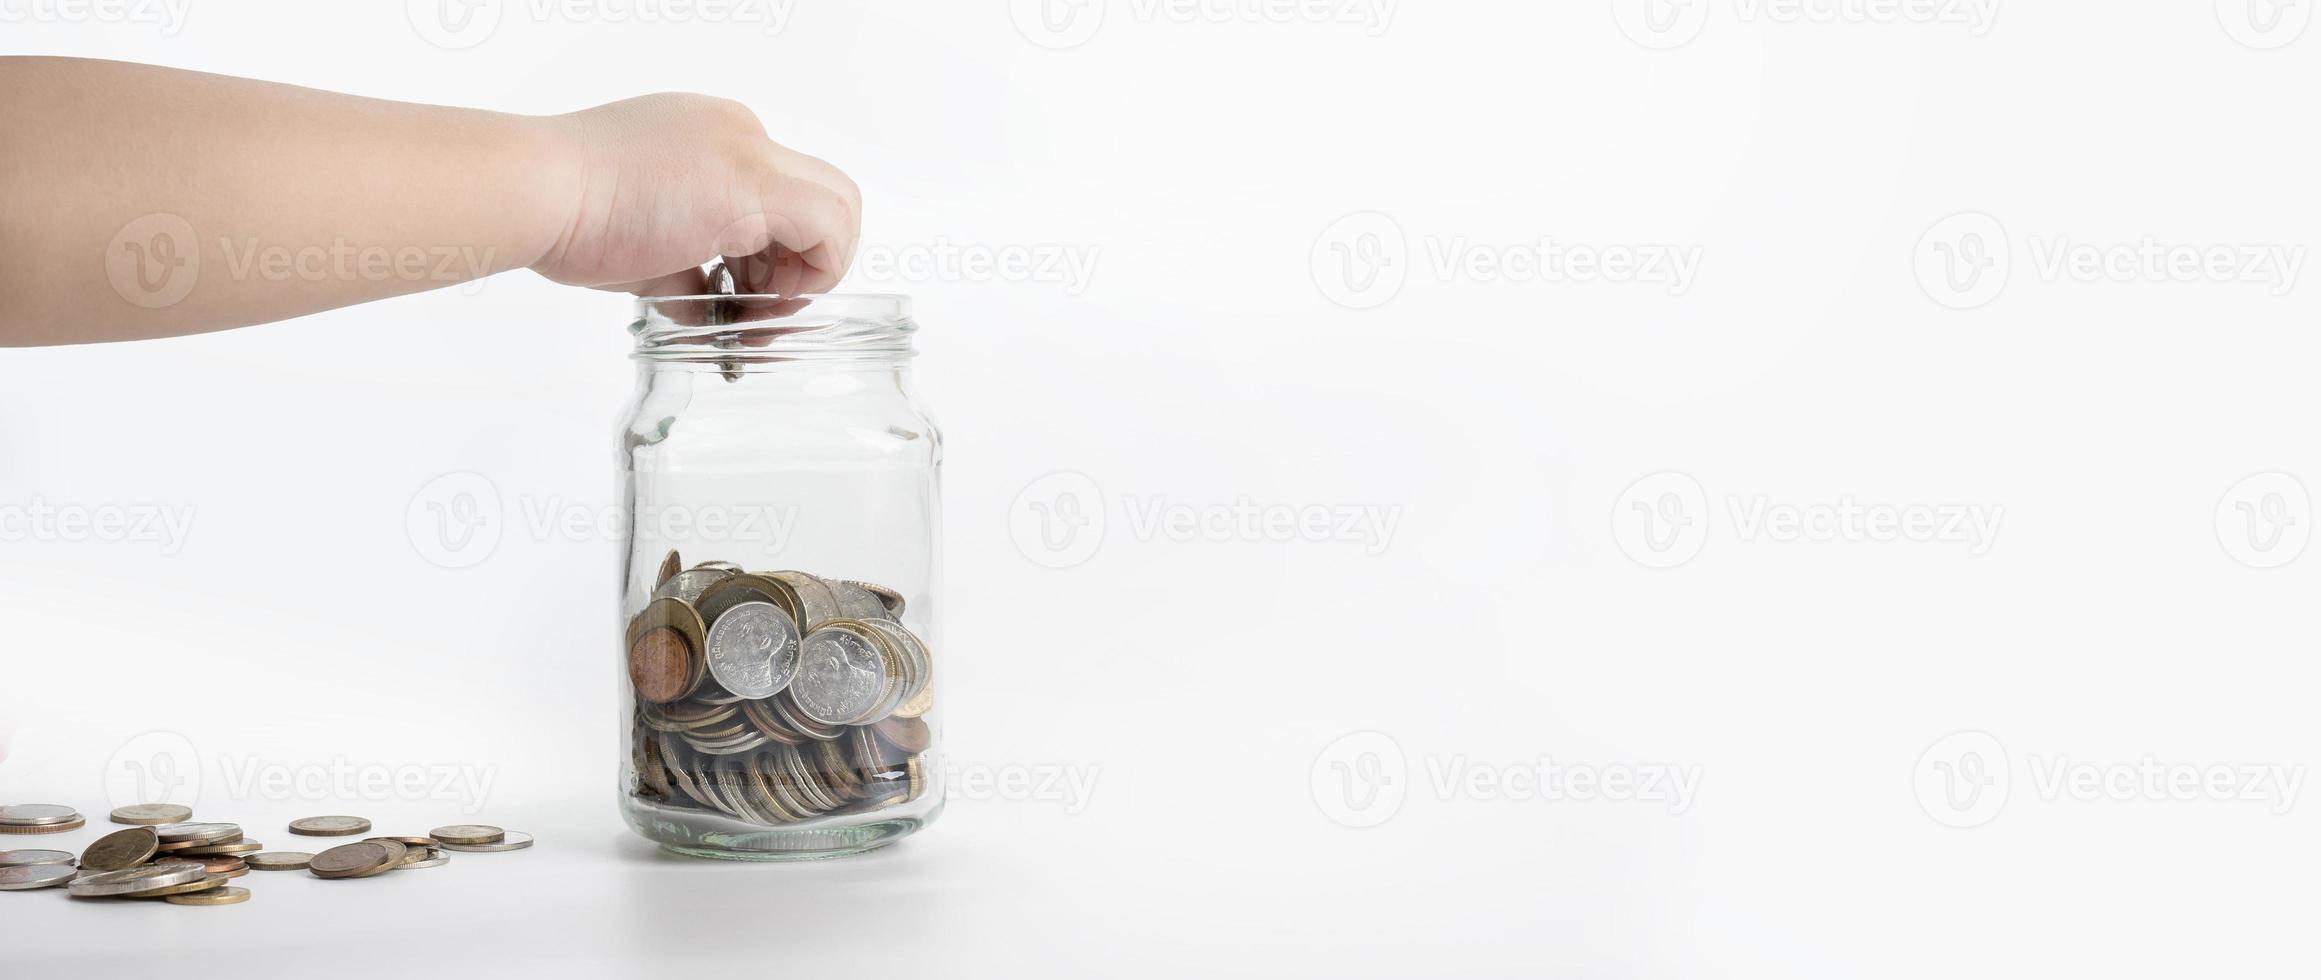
x: 779, y: 589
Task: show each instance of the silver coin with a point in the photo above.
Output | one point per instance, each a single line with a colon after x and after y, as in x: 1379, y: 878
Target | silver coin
x: 841, y: 677
x: 515, y: 840
x: 207, y: 833
x: 856, y: 602
x: 31, y: 855
x: 435, y: 859
x: 690, y: 583
x: 137, y: 879
x: 753, y: 649
x: 27, y: 876
x: 37, y: 814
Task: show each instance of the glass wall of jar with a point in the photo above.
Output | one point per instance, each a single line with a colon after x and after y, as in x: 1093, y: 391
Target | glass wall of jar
x: 779, y: 598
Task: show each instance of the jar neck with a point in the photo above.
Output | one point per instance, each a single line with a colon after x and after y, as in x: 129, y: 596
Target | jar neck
x: 749, y: 334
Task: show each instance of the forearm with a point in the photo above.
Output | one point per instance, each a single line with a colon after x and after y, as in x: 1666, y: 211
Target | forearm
x: 266, y: 201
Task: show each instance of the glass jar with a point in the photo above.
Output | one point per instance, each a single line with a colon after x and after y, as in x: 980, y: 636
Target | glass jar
x: 780, y: 580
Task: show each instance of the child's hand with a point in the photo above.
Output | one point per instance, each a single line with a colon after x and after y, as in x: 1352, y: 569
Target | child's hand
x: 205, y: 202
x: 665, y: 182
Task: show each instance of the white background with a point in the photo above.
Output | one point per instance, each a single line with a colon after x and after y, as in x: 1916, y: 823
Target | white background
x: 2137, y: 603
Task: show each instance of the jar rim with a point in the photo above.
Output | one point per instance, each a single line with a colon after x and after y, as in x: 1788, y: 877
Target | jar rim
x: 716, y: 325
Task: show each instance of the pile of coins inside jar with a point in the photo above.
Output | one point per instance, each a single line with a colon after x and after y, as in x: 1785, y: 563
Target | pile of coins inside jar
x: 166, y: 855
x: 776, y: 697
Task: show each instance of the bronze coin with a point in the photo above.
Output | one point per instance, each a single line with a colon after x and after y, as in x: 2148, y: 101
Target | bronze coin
x: 121, y: 849
x: 908, y: 734
x: 230, y: 865
x: 353, y: 860
x: 661, y: 664
x: 50, y: 828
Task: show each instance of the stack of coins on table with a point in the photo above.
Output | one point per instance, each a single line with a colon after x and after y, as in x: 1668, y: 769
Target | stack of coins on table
x: 165, y: 855
x: 776, y: 697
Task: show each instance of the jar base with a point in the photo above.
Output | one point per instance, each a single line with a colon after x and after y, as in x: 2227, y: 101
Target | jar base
x: 693, y: 838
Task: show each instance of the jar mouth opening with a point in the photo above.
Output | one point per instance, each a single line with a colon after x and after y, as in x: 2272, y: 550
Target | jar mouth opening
x: 751, y: 326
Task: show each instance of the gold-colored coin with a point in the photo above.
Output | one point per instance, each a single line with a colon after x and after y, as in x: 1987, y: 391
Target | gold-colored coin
x: 214, y: 896
x: 278, y: 860
x: 670, y: 566
x: 121, y: 849
x: 919, y: 704
x: 47, y: 828
x: 333, y: 826
x: 149, y: 814
x: 408, y: 841
x: 468, y: 833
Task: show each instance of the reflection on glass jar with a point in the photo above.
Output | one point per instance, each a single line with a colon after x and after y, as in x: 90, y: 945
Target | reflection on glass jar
x: 780, y: 591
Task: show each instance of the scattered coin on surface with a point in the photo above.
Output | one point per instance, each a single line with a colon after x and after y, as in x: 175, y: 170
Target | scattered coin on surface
x: 278, y: 860
x: 513, y: 841
x: 30, y: 856
x: 137, y: 879
x: 215, y: 896
x: 206, y: 883
x: 149, y: 814
x: 468, y: 833
x: 121, y: 849
x: 37, y: 814
x: 356, y: 860
x: 24, y: 877
x: 330, y: 826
